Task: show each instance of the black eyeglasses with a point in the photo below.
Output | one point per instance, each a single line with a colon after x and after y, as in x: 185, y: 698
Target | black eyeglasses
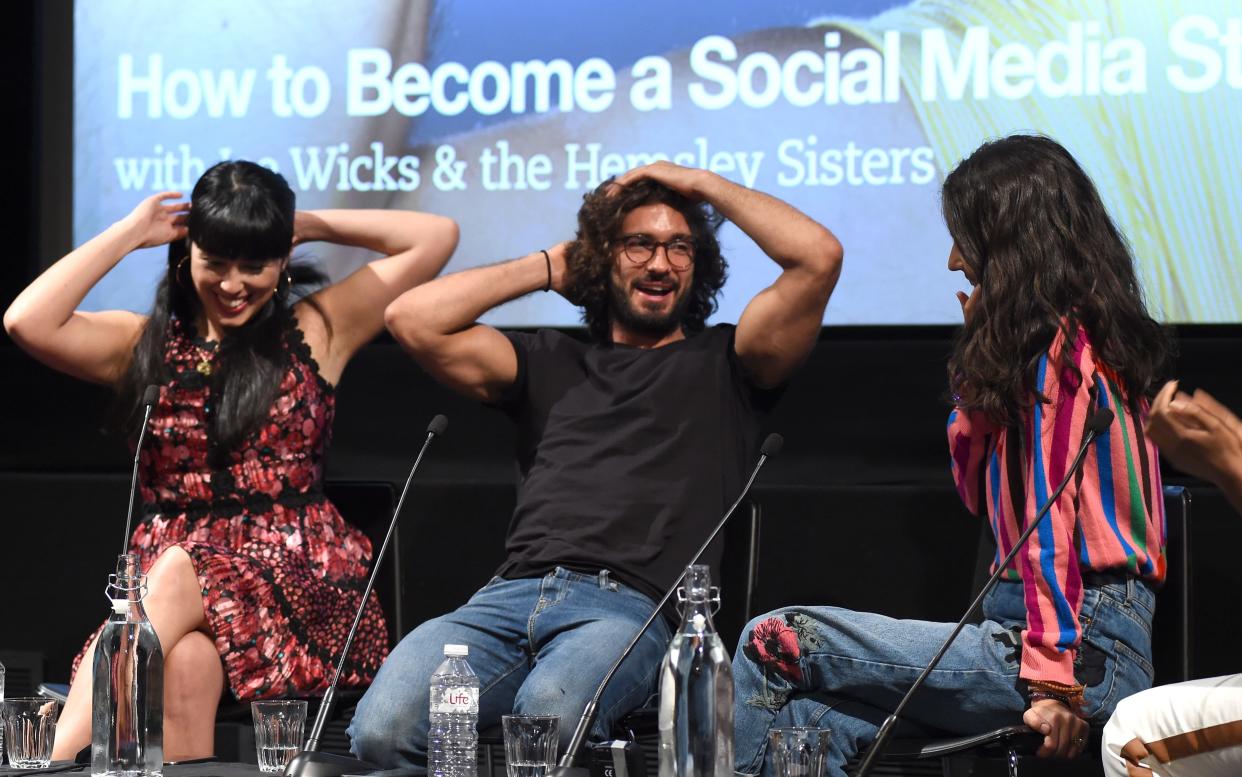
x: 640, y: 249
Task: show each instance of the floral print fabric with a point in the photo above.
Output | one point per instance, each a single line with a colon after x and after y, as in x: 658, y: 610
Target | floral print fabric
x: 281, y: 572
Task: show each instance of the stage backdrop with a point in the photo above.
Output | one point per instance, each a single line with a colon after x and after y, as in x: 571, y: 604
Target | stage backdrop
x: 503, y: 115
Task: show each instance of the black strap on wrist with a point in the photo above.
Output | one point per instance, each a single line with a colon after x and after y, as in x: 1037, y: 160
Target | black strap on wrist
x: 547, y: 260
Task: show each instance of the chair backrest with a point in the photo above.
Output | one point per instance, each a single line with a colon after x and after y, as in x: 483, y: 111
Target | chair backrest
x: 1173, y: 628
x: 755, y: 515
x: 739, y: 573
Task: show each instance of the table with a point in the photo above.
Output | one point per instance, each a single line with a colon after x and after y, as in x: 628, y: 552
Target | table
x: 199, y: 769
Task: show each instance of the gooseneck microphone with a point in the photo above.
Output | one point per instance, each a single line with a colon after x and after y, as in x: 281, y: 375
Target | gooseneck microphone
x: 150, y: 395
x: 771, y: 446
x: 1096, y: 425
x: 310, y: 762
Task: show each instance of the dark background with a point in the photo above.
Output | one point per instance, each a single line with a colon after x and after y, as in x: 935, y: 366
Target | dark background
x: 859, y: 509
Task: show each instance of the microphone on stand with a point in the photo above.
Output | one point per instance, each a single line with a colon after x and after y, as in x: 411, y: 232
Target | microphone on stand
x: 310, y: 762
x: 1096, y: 425
x: 565, y: 768
x: 150, y: 395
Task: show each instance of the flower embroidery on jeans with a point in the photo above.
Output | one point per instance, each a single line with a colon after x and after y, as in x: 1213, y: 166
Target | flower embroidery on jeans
x: 808, y: 638
x: 774, y: 644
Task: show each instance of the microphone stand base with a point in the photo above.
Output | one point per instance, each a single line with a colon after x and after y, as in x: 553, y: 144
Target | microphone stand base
x: 313, y: 763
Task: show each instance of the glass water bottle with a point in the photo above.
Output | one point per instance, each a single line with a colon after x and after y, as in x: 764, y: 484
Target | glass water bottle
x: 696, y: 688
x: 127, y: 711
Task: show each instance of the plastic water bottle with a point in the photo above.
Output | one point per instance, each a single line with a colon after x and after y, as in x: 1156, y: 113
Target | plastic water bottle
x: 127, y: 711
x: 1, y: 725
x: 696, y: 688
x: 453, y: 737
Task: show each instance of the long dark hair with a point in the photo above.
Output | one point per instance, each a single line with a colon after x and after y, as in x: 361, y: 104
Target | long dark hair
x: 589, y: 257
x: 238, y: 210
x: 1048, y: 257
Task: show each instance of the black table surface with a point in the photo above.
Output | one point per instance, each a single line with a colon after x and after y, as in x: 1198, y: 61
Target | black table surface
x: 197, y: 769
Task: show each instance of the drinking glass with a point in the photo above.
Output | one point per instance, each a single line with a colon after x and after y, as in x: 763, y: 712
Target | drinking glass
x: 278, y: 727
x: 798, y: 751
x: 530, y: 744
x: 29, y: 729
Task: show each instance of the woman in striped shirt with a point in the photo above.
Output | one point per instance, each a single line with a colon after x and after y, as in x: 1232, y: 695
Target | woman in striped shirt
x: 1055, y: 327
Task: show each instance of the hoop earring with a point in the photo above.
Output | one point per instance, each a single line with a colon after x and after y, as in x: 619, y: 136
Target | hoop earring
x: 288, y: 284
x: 177, y: 272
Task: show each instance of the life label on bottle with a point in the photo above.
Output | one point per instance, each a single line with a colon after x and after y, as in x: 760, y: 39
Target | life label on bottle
x: 460, y: 699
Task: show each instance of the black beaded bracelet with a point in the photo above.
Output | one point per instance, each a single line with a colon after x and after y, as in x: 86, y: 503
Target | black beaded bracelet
x: 548, y: 261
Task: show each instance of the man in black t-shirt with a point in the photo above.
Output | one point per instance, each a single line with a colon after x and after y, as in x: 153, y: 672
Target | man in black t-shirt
x: 630, y: 447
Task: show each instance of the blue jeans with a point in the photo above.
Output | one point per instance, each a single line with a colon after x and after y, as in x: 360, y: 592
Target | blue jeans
x: 846, y: 671
x: 539, y: 646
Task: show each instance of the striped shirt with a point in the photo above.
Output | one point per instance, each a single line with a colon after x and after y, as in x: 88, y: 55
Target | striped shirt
x: 1109, y: 518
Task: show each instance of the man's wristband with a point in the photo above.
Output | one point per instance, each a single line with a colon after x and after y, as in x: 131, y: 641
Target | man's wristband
x: 547, y: 260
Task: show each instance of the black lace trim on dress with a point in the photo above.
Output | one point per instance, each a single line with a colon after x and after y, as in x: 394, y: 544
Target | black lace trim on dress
x: 233, y: 503
x: 295, y: 340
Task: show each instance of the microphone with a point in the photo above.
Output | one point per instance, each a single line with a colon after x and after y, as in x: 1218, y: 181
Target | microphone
x: 150, y: 395
x: 310, y: 762
x: 1097, y: 424
x: 772, y: 445
x: 565, y: 768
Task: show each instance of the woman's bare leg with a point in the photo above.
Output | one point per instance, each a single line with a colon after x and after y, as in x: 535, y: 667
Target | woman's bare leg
x: 174, y: 604
x: 193, y: 681
x: 73, y: 729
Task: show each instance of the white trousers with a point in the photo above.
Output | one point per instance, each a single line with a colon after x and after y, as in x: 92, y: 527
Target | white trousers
x: 1192, y: 728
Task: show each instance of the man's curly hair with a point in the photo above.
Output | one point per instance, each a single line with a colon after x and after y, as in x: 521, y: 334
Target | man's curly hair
x: 589, y: 258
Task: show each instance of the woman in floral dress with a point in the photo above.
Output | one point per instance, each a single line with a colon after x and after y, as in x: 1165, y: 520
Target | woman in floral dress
x: 252, y: 574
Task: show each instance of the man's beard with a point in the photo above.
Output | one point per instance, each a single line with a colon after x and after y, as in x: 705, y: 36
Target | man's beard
x: 652, y: 324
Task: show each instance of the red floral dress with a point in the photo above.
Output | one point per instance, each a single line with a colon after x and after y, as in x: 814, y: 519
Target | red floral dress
x: 281, y: 572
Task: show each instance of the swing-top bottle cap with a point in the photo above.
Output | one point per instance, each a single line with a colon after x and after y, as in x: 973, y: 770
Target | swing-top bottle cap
x: 128, y: 583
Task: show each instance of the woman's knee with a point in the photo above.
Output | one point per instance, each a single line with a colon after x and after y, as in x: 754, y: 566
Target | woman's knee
x: 769, y: 649
x: 752, y: 624
x: 193, y: 676
x: 174, y: 600
x: 172, y: 581
x: 172, y: 569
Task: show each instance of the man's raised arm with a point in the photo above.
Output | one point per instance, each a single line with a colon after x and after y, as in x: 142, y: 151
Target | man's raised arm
x: 437, y: 322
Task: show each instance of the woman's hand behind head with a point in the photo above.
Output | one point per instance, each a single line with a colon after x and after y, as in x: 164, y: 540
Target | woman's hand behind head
x: 158, y: 221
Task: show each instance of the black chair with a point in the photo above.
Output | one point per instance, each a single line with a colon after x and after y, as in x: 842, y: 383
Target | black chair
x: 738, y: 579
x: 368, y: 505
x: 1011, y: 750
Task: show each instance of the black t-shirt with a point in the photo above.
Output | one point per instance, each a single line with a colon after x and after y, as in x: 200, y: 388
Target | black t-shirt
x: 627, y: 456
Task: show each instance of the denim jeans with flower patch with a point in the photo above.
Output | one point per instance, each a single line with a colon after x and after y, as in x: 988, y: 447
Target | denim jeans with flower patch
x: 539, y: 646
x: 846, y: 671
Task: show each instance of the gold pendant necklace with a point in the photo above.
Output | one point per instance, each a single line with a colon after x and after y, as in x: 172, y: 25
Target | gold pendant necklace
x: 205, y: 354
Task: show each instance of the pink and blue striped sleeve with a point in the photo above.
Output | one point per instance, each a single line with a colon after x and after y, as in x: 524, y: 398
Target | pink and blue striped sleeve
x: 1049, y: 564
x: 969, y: 432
